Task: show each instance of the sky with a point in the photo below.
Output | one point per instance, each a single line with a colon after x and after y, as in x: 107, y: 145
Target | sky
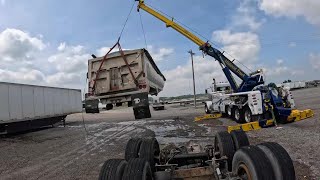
x: 49, y: 42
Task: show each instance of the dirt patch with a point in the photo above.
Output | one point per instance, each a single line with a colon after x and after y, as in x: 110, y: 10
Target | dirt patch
x: 303, y: 171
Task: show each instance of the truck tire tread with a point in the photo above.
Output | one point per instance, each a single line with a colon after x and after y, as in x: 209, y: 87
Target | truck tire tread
x: 280, y: 160
x: 256, y: 162
x: 132, y: 148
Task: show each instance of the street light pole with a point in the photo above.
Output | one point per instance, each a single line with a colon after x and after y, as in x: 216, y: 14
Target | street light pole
x: 194, y: 84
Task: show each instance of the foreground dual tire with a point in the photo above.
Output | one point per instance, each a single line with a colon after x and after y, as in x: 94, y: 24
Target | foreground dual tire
x: 132, y: 148
x: 223, y: 146
x: 150, y: 150
x: 118, y: 169
x: 250, y: 162
x: 280, y: 160
x: 137, y: 169
x: 112, y: 169
x: 227, y: 144
x: 147, y: 149
x: 265, y: 161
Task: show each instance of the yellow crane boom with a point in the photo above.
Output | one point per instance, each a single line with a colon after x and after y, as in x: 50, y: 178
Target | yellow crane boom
x: 248, y: 81
x: 171, y: 23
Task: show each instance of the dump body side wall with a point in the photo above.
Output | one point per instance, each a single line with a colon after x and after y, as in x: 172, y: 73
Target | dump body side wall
x: 156, y: 82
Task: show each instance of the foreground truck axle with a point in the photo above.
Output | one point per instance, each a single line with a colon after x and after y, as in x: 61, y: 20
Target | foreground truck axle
x: 230, y: 157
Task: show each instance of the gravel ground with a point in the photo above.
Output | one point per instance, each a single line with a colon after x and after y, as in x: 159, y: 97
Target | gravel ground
x: 72, y: 152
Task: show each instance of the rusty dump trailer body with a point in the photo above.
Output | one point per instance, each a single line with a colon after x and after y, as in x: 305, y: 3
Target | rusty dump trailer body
x: 115, y: 83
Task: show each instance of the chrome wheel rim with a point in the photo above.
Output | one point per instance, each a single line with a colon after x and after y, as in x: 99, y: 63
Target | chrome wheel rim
x: 237, y: 114
x: 247, y: 116
x: 229, y: 110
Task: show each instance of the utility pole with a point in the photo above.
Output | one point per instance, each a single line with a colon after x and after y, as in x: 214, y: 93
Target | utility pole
x: 194, y: 84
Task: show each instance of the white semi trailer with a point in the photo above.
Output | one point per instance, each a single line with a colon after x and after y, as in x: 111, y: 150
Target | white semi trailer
x: 25, y: 107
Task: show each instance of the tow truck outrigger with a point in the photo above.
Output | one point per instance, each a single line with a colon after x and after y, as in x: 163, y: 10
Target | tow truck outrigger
x: 230, y: 158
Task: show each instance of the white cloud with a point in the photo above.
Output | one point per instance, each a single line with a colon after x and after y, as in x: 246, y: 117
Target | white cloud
x: 103, y: 51
x: 160, y: 54
x: 293, y: 8
x: 297, y: 72
x: 280, y: 62
x: 70, y: 79
x: 281, y: 71
x: 3, y: 2
x: 22, y: 76
x: 314, y: 60
x: 292, y: 44
x: 179, y: 79
x: 245, y: 16
x: 243, y: 46
x: 62, y: 46
x: 70, y: 58
x: 17, y: 45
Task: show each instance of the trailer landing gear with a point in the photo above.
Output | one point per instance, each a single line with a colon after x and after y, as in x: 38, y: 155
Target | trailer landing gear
x: 230, y: 158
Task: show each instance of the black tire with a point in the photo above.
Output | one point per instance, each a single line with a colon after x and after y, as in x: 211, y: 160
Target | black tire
x: 109, y: 106
x: 250, y: 162
x: 132, y: 148
x: 223, y: 144
x: 150, y: 150
x: 119, y: 104
x: 112, y: 169
x: 238, y: 115
x: 137, y: 169
x: 280, y: 160
x: 240, y: 139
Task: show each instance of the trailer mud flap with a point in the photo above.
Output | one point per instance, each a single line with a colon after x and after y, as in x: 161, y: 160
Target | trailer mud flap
x: 140, y: 103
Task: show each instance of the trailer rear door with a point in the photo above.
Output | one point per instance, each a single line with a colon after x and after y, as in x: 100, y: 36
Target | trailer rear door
x: 115, y: 78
